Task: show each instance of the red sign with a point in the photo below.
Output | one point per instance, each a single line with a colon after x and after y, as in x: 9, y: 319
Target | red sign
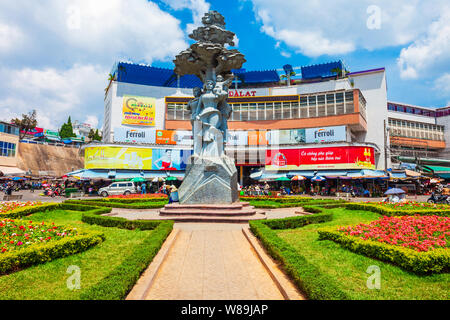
x: 241, y: 93
x: 321, y: 158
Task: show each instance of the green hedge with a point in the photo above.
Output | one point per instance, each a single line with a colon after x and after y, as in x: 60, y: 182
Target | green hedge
x: 121, y: 280
x: 124, y: 200
x: 399, y: 212
x: 45, y: 252
x: 308, y: 277
x: 113, y: 204
x: 279, y: 200
x: 435, y: 261
x: 268, y: 204
x: 25, y: 211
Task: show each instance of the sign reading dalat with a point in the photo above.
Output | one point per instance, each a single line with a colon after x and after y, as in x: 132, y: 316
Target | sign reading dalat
x: 132, y: 135
x: 326, y: 134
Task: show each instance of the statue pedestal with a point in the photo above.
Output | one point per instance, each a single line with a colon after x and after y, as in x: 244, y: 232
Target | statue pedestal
x: 209, y: 180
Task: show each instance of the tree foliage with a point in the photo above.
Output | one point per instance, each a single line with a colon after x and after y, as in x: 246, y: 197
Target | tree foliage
x: 66, y: 130
x: 27, y: 123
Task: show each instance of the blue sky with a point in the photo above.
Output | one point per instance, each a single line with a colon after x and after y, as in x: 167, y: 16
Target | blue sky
x: 55, y: 56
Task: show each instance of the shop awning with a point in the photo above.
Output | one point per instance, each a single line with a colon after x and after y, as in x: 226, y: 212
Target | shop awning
x: 442, y: 172
x: 332, y: 174
x: 397, y: 175
x: 267, y: 176
x: 306, y: 174
x: 412, y: 174
x: 367, y: 174
x: 11, y: 171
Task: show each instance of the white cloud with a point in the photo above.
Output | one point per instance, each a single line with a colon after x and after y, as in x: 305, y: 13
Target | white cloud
x: 336, y: 27
x: 10, y: 38
x: 442, y: 85
x: 430, y: 53
x: 56, y: 57
x: 55, y: 94
x: 198, y: 8
x: 92, y: 120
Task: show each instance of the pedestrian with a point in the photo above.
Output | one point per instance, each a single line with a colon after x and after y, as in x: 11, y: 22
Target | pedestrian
x: 143, y: 189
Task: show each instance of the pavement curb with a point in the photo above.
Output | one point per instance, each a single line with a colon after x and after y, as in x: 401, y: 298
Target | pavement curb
x: 145, y: 282
x: 286, y: 287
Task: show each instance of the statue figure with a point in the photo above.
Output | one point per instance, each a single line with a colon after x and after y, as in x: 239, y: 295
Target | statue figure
x: 221, y: 89
x: 211, y: 119
x: 211, y: 176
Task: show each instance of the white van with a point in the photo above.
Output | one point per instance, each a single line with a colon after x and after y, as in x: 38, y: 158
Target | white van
x: 118, y: 188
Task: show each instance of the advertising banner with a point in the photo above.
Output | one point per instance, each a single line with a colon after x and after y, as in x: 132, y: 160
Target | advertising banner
x: 321, y: 158
x: 293, y: 136
x: 257, y: 138
x: 326, y: 134
x: 118, y: 158
x: 170, y: 159
x: 165, y: 137
x: 183, y: 138
x: 237, y: 138
x: 138, y: 111
x: 122, y: 134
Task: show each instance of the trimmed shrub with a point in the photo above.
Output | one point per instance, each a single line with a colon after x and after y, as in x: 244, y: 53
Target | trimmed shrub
x: 41, y: 253
x: 398, y: 212
x: 125, y: 205
x: 269, y: 204
x: 25, y: 211
x: 121, y: 280
x: 434, y: 261
x: 308, y: 278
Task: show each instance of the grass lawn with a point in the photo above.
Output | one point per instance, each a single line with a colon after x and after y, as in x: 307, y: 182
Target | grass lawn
x: 349, y: 269
x: 48, y: 281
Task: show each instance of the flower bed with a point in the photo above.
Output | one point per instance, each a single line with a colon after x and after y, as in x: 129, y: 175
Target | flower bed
x: 23, y: 243
x: 420, y: 233
x: 17, y: 234
x: 415, y: 243
x: 139, y: 196
x: 7, y: 206
x: 412, y: 205
x: 409, y: 208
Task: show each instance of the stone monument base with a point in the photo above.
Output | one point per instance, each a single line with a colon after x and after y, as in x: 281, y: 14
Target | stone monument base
x: 238, y: 212
x: 209, y: 180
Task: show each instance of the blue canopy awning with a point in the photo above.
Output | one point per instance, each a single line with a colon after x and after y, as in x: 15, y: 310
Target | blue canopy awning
x: 306, y: 174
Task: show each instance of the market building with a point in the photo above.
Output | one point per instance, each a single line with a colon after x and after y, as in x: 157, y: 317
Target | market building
x: 325, y: 123
x: 9, y: 149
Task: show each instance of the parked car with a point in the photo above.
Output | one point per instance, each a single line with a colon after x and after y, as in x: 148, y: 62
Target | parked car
x: 118, y: 188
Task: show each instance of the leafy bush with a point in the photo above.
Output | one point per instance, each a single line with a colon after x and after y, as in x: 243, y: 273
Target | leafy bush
x: 120, y: 281
x: 47, y: 251
x: 25, y: 211
x: 122, y: 203
x: 269, y: 204
x: 434, y: 261
x: 308, y: 278
x: 397, y: 212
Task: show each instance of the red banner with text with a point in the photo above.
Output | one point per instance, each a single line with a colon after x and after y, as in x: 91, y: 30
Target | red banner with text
x: 321, y: 158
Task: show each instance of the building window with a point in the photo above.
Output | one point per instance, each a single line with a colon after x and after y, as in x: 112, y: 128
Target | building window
x: 7, y: 149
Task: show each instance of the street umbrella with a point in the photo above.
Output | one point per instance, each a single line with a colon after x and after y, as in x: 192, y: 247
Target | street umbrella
x: 156, y: 179
x: 298, y: 178
x: 138, y: 179
x: 282, y: 179
x: 318, y: 178
x: 394, y: 191
x: 171, y: 179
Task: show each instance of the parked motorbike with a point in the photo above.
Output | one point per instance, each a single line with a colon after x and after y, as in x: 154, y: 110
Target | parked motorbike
x: 440, y: 198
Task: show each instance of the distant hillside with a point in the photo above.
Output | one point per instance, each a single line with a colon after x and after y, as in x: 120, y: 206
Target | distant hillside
x: 52, y: 159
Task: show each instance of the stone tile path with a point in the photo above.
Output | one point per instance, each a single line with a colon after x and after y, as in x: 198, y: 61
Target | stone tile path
x: 212, y: 261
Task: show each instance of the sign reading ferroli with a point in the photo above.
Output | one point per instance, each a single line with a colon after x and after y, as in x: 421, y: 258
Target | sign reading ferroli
x: 131, y: 135
x: 326, y: 134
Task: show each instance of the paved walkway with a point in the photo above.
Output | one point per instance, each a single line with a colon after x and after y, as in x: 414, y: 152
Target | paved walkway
x: 212, y: 261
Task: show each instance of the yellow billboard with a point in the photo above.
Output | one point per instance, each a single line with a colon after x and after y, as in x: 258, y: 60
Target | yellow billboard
x: 138, y: 111
x: 118, y: 158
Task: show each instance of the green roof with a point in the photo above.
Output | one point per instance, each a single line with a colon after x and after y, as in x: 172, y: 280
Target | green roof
x: 437, y: 169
